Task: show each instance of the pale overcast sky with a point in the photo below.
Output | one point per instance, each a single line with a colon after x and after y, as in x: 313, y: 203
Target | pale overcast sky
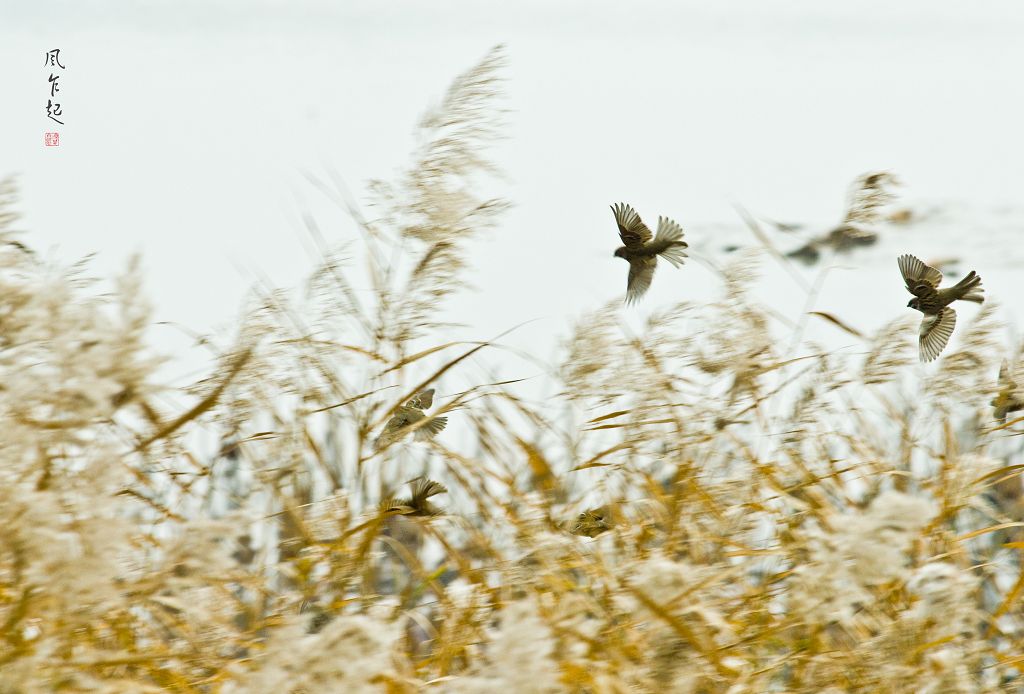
x: 189, y: 127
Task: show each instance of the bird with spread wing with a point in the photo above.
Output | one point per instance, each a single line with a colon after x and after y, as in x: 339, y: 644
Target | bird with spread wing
x: 939, y: 318
x: 408, y: 416
x: 642, y: 252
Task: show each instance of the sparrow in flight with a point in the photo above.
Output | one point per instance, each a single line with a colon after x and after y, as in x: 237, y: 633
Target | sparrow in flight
x: 410, y: 414
x: 418, y: 504
x: 868, y: 195
x: 642, y: 252
x: 1009, y: 398
x: 939, y: 318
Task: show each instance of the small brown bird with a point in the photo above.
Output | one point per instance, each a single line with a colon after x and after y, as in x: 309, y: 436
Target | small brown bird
x: 418, y: 504
x: 939, y: 317
x: 1009, y: 398
x: 591, y: 523
x: 641, y: 252
x: 410, y: 414
x: 868, y: 195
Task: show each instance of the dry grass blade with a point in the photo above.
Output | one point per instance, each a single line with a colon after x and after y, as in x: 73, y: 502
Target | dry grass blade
x: 783, y: 261
x: 594, y: 461
x: 838, y: 323
x: 426, y: 353
x: 235, y: 366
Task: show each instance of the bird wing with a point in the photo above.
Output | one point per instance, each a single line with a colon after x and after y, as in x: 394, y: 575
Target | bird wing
x: 641, y: 272
x: 669, y: 230
x: 921, y: 280
x: 401, y: 507
x: 423, y: 489
x: 400, y: 420
x: 867, y: 196
x: 668, y: 243
x: 431, y: 429
x: 422, y: 400
x: 935, y: 332
x: 633, y: 232
x: 393, y: 428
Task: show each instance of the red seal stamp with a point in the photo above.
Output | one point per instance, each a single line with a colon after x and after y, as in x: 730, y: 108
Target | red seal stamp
x: 51, y: 139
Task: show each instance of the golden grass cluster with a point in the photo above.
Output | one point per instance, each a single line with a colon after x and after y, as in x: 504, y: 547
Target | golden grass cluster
x: 700, y: 510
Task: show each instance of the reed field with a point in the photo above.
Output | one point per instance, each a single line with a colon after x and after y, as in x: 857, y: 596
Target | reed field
x: 711, y: 504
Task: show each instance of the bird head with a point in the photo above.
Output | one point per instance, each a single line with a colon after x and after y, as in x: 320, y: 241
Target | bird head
x: 620, y: 252
x: 914, y: 303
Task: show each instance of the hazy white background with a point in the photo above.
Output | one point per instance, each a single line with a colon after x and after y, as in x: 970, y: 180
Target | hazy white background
x: 190, y: 126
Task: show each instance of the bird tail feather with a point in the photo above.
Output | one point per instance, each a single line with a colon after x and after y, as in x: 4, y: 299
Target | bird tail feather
x: 970, y: 289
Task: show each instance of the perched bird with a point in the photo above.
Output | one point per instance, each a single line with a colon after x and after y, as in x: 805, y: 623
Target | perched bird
x: 409, y: 415
x: 939, y: 317
x: 641, y: 252
x: 1009, y: 398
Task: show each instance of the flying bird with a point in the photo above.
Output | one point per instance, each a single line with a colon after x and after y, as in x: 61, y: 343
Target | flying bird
x: 868, y: 195
x: 418, y: 503
x: 642, y: 252
x: 410, y: 414
x: 939, y: 318
x: 1009, y: 398
x: 591, y: 523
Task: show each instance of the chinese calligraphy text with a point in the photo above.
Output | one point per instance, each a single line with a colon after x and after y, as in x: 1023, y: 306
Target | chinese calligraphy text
x: 53, y: 109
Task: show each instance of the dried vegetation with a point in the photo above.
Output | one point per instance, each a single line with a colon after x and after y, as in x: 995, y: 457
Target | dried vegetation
x: 701, y: 510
